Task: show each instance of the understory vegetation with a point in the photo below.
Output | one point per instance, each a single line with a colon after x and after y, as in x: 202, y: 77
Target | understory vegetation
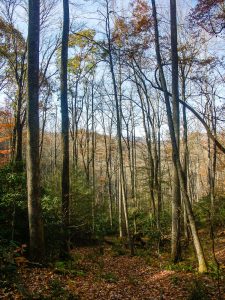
x: 98, y: 256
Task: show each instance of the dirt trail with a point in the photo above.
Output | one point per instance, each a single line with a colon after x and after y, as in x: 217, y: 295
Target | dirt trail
x: 103, y: 276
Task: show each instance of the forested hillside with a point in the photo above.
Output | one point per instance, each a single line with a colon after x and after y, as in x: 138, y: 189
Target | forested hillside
x: 112, y: 149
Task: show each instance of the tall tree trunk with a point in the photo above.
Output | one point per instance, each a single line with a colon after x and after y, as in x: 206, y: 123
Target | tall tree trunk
x: 176, y: 199
x: 108, y: 162
x: 55, y: 139
x: 146, y: 126
x: 44, y: 121
x: 120, y: 213
x: 119, y: 130
x: 212, y: 152
x: 33, y: 163
x: 157, y: 157
x: 93, y: 151
x: 159, y: 176
x: 197, y: 244
x: 65, y: 130
x: 186, y: 152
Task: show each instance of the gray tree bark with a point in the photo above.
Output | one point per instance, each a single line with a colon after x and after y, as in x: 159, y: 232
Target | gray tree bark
x: 176, y: 199
x: 33, y: 163
x: 65, y: 130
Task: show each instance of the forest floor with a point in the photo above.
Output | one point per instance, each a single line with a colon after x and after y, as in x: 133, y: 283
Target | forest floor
x: 109, y: 272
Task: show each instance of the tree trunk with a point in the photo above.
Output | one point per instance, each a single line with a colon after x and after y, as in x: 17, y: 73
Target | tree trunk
x: 18, y: 129
x: 186, y: 152
x: 176, y: 198
x: 119, y: 130
x: 33, y: 164
x: 65, y: 130
x: 151, y: 166
x: 197, y: 244
x: 93, y: 151
x: 108, y: 162
x: 55, y: 139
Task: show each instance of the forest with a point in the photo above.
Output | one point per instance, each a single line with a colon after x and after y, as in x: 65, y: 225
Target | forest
x: 112, y: 149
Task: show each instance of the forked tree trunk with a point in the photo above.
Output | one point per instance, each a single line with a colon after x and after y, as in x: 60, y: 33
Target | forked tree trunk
x: 197, y: 244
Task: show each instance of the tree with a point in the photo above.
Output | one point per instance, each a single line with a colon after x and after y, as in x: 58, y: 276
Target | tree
x: 65, y: 130
x: 210, y: 15
x: 80, y: 65
x: 6, y: 125
x: 176, y: 157
x: 176, y: 198
x: 118, y: 125
x: 33, y: 163
x: 14, y: 51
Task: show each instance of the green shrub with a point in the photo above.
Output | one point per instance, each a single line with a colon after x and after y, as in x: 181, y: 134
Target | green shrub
x: 118, y: 248
x: 13, y: 204
x: 110, y: 277
x: 214, y: 271
x: 146, y: 225
x: 70, y: 267
x: 57, y: 289
x: 198, y: 291
x: 180, y: 267
x: 203, y: 210
x: 7, y: 255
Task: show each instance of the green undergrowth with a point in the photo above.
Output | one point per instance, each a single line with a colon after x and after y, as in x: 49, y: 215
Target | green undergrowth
x: 70, y: 267
x: 198, y: 291
x: 57, y: 291
x: 110, y: 277
x: 118, y: 249
x: 181, y: 266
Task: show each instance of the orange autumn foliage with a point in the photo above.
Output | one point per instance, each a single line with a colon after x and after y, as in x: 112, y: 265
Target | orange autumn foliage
x: 134, y: 33
x: 6, y: 127
x: 141, y: 17
x: 5, y: 138
x: 5, y: 152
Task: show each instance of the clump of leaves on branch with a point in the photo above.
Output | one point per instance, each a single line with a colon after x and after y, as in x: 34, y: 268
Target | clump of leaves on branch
x: 210, y: 15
